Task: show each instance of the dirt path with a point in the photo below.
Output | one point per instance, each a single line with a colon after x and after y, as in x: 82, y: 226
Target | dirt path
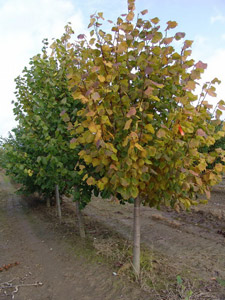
x: 190, y: 244
x: 48, y: 256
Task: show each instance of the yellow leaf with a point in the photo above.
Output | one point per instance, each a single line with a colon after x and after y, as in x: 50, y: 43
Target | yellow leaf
x: 92, y: 20
x: 89, y: 137
x: 105, y: 161
x: 125, y: 142
x: 134, y: 135
x: 95, y: 69
x: 91, y: 181
x: 171, y: 24
x: 81, y: 153
x: 30, y: 172
x: 145, y: 11
x: 142, y: 186
x: 78, y: 95
x: 101, y: 78
x: 105, y: 48
x: 190, y: 86
x: 111, y: 147
x: 106, y: 121
x: 114, y: 157
x: 98, y: 135
x: 79, y: 129
x: 105, y: 180
x: 150, y: 116
x: 151, y: 151
x: 90, y: 113
x: 92, y: 127
x: 100, y: 14
x: 127, y: 125
x: 150, y: 128
x: 108, y: 64
x: 130, y: 16
x: 95, y: 96
x: 100, y: 185
x: 218, y: 168
x: 141, y: 162
x: 155, y: 98
x: 139, y: 147
x: 144, y: 153
x: 155, y: 20
x: 122, y: 47
x: 146, y: 137
x: 87, y: 158
x: 134, y: 192
x: 134, y: 156
x: 85, y: 177
x: 125, y: 182
x: 95, y: 162
x: 211, y: 92
x: 161, y: 133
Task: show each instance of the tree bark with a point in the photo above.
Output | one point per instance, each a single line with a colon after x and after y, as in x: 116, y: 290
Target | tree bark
x: 58, y: 202
x: 136, y: 236
x: 48, y: 202
x: 80, y: 220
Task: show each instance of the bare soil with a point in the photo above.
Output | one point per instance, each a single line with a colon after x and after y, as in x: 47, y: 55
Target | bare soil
x: 50, y: 256
x: 189, y: 244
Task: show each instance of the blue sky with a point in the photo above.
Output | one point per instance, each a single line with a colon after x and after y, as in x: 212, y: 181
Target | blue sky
x: 24, y: 23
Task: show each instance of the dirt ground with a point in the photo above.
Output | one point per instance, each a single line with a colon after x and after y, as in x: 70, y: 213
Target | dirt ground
x: 51, y: 258
x: 188, y: 244
x: 193, y: 242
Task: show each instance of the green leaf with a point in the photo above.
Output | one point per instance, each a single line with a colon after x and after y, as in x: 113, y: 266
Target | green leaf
x: 134, y: 191
x: 73, y: 143
x: 179, y: 280
x: 114, y: 157
x: 221, y: 281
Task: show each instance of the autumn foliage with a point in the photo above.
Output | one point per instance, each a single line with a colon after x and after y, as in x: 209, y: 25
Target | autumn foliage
x: 140, y: 127
x: 120, y: 107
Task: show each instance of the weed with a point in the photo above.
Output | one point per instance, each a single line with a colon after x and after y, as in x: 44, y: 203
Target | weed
x: 184, y: 291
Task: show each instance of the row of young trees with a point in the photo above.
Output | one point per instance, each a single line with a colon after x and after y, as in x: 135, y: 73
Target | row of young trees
x: 116, y: 114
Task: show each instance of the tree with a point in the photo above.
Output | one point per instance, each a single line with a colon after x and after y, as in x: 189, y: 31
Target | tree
x: 139, y: 127
x: 42, y: 138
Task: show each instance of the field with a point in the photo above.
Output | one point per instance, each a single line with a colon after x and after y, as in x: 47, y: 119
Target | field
x: 184, y: 253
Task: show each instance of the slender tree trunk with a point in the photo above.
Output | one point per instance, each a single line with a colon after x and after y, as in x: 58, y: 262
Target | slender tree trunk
x: 48, y: 202
x: 136, y: 236
x: 58, y: 202
x: 80, y: 220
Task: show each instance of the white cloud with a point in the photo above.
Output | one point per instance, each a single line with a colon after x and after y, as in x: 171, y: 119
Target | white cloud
x: 217, y: 18
x: 23, y: 25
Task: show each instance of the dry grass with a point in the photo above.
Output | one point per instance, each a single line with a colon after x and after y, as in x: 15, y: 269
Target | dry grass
x: 157, y: 276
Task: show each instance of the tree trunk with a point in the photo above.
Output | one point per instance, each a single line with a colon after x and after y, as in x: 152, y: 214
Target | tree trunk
x: 136, y: 236
x: 58, y: 202
x: 48, y: 202
x: 80, y: 220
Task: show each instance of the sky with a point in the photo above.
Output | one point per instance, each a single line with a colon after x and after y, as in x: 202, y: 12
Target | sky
x: 25, y: 23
